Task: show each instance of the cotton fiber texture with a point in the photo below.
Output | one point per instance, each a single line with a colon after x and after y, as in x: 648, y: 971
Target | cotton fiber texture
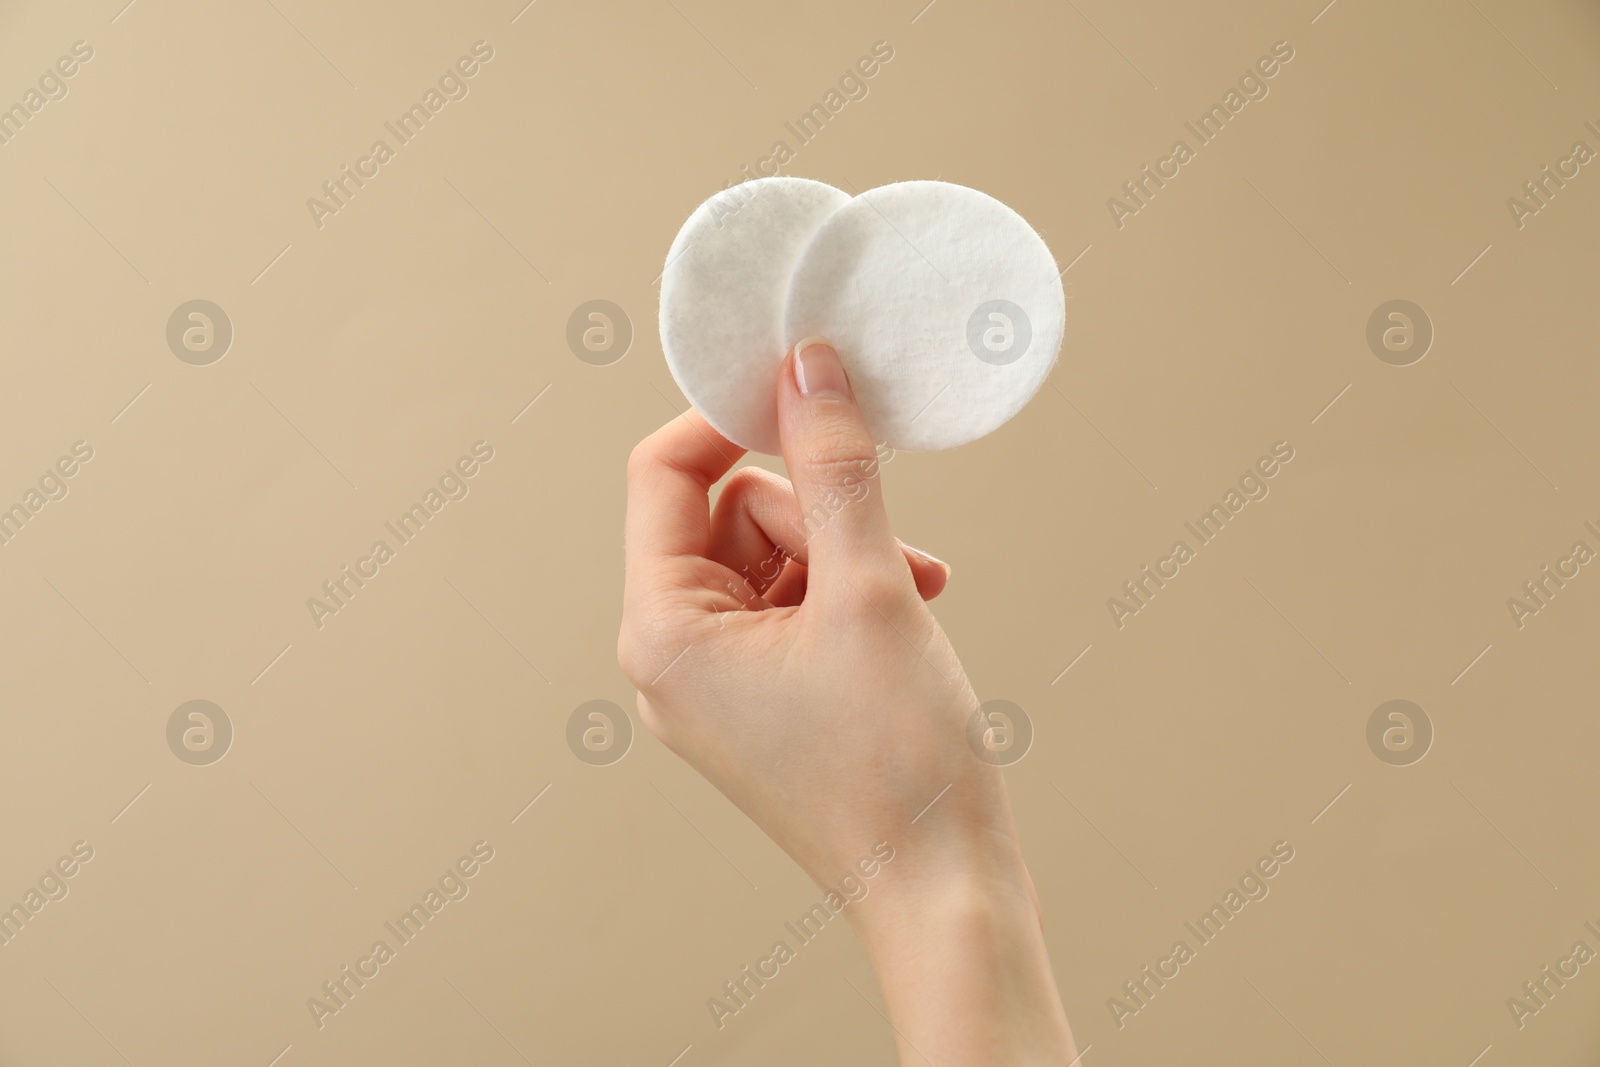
x: 944, y: 304
x: 722, y: 300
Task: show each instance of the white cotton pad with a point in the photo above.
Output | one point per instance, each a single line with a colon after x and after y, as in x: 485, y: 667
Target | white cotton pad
x: 722, y: 296
x: 944, y: 304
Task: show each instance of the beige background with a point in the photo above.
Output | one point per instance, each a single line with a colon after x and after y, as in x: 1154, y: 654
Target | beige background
x: 370, y: 353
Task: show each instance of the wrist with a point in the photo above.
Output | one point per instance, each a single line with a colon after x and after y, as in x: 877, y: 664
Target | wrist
x: 915, y: 909
x: 962, y: 857
x: 964, y: 972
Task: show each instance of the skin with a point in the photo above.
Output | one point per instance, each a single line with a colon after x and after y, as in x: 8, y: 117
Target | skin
x: 826, y: 702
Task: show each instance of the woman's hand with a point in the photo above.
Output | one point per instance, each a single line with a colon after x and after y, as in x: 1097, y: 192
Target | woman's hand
x: 781, y: 645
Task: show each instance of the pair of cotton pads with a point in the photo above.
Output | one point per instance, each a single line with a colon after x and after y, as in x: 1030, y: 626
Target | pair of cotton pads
x: 944, y: 305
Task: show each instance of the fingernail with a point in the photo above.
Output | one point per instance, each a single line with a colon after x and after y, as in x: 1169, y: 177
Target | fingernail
x: 935, y: 560
x: 817, y: 370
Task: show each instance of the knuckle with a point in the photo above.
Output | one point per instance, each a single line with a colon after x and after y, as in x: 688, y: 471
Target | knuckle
x: 765, y: 497
x: 631, y: 657
x: 840, y: 454
x: 745, y: 483
x: 880, y: 593
x: 650, y: 718
x: 651, y: 640
x: 640, y: 460
x: 871, y: 599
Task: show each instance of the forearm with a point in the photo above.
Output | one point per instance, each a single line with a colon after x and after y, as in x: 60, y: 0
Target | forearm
x: 963, y: 968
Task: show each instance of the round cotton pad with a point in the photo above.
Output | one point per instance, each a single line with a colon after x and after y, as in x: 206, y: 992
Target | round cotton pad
x: 722, y: 298
x: 945, y: 306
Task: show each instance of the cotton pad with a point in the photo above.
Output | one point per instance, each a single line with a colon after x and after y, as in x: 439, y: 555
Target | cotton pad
x: 722, y: 295
x: 944, y: 304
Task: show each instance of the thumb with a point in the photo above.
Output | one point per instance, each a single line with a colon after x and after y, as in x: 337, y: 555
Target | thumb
x: 833, y: 464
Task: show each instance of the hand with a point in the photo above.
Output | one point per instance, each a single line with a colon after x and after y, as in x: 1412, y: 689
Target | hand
x: 823, y: 698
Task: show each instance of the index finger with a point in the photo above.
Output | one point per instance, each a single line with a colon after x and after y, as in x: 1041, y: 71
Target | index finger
x: 670, y: 475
